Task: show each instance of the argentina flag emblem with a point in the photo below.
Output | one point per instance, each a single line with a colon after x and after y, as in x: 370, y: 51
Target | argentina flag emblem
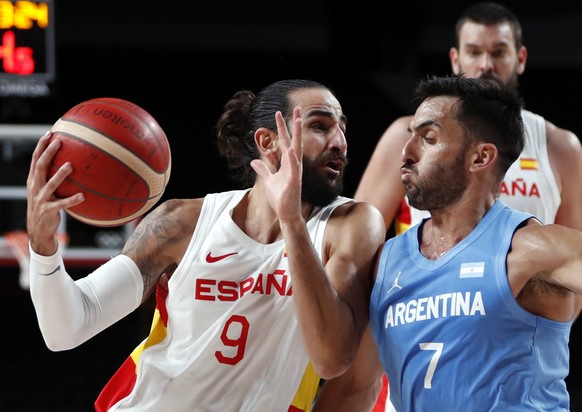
x: 472, y: 270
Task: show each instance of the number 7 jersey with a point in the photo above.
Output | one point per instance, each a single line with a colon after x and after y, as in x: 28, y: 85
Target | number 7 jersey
x: 451, y: 335
x: 225, y: 338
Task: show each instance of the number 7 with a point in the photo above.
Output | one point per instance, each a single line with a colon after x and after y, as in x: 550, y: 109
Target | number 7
x: 438, y: 348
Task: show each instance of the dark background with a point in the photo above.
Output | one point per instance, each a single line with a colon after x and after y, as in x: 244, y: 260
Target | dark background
x: 182, y: 60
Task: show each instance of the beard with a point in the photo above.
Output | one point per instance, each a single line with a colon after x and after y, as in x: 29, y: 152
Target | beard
x: 511, y: 83
x: 443, y: 186
x: 317, y: 188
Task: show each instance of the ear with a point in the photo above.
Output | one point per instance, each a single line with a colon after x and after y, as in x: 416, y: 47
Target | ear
x: 521, y: 59
x: 454, y: 58
x: 266, y: 141
x: 484, y: 156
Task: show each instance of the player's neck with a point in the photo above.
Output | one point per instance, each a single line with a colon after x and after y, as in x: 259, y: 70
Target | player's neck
x: 436, y: 243
x: 255, y: 217
x: 449, y: 226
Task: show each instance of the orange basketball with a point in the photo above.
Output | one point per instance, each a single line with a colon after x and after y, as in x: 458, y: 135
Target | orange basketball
x: 121, y: 160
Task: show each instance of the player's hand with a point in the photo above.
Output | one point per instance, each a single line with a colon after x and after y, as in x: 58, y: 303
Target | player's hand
x: 43, y: 206
x: 283, y: 187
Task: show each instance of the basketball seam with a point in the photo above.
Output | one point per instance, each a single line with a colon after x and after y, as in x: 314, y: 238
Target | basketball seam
x: 157, y: 182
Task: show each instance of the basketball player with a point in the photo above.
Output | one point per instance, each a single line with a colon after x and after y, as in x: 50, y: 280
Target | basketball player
x: 260, y: 277
x: 481, y: 316
x: 543, y: 181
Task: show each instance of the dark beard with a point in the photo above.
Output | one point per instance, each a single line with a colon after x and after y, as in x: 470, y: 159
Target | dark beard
x: 512, y: 83
x: 444, y: 185
x: 317, y: 189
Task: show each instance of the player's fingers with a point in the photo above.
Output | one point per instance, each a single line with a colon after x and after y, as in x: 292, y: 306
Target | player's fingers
x: 40, y: 148
x: 260, y: 168
x: 297, y: 140
x: 282, y: 131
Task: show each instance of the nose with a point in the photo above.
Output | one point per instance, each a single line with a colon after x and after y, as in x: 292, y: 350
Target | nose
x: 409, y: 151
x: 338, y: 139
x: 486, y: 63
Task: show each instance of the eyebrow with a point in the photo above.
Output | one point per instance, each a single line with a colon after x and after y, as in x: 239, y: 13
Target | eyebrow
x: 422, y: 125
x: 326, y: 113
x: 500, y: 44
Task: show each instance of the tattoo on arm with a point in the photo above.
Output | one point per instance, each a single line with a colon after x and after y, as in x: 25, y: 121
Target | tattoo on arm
x: 147, y: 245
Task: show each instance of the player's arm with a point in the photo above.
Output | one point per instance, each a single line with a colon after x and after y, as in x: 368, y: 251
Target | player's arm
x: 160, y: 240
x: 565, y: 153
x: 380, y: 184
x: 332, y: 301
x: 70, y: 312
x: 544, y: 267
x: 357, y: 389
x: 67, y: 312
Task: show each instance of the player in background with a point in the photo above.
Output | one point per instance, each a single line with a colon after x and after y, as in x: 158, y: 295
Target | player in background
x: 269, y: 285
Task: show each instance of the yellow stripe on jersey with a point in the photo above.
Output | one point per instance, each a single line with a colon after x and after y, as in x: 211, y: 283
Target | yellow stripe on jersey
x: 307, y: 390
x: 528, y: 164
x: 157, y: 334
x: 401, y: 227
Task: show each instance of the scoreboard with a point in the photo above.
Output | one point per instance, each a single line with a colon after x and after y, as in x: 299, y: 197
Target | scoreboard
x: 27, y: 45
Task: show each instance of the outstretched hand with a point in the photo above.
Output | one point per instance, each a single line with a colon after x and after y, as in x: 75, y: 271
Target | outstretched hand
x: 283, y: 187
x: 43, y: 206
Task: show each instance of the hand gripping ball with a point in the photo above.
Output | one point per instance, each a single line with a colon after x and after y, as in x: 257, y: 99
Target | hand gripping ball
x: 121, y: 160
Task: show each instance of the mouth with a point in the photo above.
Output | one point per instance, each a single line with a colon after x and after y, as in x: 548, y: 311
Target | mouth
x: 335, y: 166
x: 405, y: 174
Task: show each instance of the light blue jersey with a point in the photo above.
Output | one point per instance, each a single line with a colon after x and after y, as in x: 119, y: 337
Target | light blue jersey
x: 452, y: 337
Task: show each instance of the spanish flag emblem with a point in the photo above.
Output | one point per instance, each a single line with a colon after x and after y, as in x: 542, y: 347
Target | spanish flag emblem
x: 528, y: 164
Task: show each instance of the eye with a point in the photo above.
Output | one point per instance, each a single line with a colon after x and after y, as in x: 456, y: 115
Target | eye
x: 472, y: 51
x: 428, y: 137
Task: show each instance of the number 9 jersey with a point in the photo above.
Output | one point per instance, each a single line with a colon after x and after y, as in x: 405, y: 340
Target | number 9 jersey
x: 224, y: 336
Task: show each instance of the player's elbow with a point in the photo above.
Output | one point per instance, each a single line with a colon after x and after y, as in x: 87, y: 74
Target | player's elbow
x: 59, y: 337
x: 59, y: 343
x: 332, y: 367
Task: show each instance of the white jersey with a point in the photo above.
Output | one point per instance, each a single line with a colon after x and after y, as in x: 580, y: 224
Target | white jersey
x: 530, y: 184
x: 232, y: 341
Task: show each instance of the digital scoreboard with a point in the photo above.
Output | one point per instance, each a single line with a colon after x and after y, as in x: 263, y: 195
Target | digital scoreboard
x: 27, y: 60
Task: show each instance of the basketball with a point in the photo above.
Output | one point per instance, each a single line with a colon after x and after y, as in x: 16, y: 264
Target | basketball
x: 121, y: 160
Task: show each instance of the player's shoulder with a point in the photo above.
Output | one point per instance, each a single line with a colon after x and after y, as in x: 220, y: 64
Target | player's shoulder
x: 533, y: 238
x: 562, y: 140
x: 180, y: 212
x: 400, y: 124
x: 167, y: 228
x: 362, y: 212
x: 351, y: 204
x: 178, y: 206
x: 397, y: 132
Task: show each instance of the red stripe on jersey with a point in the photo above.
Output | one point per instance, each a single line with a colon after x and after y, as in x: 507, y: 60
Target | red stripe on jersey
x: 118, y: 387
x: 122, y: 382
